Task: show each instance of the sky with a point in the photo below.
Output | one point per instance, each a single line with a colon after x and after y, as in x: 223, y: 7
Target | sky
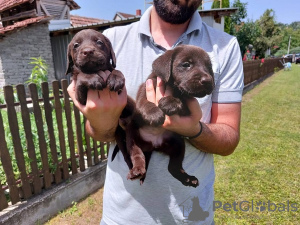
x: 286, y: 11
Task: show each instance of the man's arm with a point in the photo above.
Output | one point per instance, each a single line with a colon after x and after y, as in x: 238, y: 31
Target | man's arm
x: 102, y: 111
x: 220, y: 137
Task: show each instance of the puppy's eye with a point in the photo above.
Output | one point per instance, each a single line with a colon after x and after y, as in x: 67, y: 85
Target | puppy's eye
x: 99, y: 42
x: 186, y: 65
x: 76, y: 45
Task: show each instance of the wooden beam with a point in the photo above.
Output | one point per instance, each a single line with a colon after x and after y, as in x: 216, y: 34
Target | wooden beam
x: 45, y: 10
x: 30, y: 13
x: 68, y: 13
x: 54, y: 3
x: 38, y: 7
x: 64, y: 12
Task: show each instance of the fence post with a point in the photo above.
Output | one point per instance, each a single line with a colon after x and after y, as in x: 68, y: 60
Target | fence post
x: 29, y: 138
x: 14, y: 129
x: 7, y: 165
x: 41, y: 135
x: 49, y: 120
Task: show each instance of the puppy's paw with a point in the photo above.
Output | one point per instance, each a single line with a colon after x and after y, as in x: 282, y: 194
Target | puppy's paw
x: 170, y: 105
x: 115, y: 81
x: 96, y: 82
x: 190, y: 181
x: 154, y: 116
x: 137, y: 172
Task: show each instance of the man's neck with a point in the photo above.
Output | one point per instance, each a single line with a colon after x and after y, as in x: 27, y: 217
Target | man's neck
x: 163, y: 33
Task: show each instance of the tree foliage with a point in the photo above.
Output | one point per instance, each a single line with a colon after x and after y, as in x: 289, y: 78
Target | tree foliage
x: 247, y: 34
x: 270, y: 33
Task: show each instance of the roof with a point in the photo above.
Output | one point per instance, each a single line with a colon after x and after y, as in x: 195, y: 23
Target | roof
x: 80, y: 20
x: 123, y: 15
x: 102, y: 25
x: 218, y: 12
x: 7, y: 4
x: 24, y: 23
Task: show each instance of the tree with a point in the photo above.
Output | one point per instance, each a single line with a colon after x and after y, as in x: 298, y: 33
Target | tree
x: 246, y: 34
x: 270, y: 33
x: 236, y: 18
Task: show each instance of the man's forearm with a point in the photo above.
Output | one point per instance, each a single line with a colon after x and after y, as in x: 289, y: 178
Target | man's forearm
x: 103, y: 134
x: 219, y: 139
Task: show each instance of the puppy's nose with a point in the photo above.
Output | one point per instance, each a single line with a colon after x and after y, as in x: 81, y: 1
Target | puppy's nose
x: 88, y: 51
x: 206, y: 81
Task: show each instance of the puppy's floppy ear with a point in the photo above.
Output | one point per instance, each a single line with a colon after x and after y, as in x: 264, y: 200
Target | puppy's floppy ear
x: 112, y: 53
x: 70, y: 62
x: 162, y: 66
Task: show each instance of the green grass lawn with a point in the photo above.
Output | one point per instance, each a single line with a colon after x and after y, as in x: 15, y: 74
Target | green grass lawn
x: 265, y: 168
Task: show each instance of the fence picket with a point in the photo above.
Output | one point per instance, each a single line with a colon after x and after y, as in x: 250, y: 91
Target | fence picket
x: 14, y: 129
x: 96, y: 155
x: 42, y: 141
x: 79, y: 138
x: 88, y: 147
x: 58, y: 112
x: 68, y: 114
x: 102, y: 153
x: 29, y: 139
x: 49, y: 120
x: 7, y: 165
x: 3, y: 201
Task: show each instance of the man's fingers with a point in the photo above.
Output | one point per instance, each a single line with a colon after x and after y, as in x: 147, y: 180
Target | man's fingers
x: 150, y: 92
x: 194, y: 108
x: 71, y: 89
x: 160, y: 90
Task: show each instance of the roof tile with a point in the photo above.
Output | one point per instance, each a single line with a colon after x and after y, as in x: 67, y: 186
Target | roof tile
x: 22, y: 24
x: 80, y: 20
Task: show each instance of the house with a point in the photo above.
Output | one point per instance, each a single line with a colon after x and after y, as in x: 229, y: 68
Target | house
x: 25, y: 34
x: 122, y: 16
x: 216, y: 17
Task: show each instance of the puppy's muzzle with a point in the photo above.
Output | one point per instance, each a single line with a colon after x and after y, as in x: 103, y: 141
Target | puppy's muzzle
x: 87, y: 52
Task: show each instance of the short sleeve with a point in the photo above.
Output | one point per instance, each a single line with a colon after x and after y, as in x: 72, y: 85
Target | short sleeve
x: 230, y: 82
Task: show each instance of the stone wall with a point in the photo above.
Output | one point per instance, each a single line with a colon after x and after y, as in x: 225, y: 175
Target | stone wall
x: 18, y: 47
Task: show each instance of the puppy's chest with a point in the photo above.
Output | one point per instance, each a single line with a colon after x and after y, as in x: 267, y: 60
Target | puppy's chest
x: 154, y: 135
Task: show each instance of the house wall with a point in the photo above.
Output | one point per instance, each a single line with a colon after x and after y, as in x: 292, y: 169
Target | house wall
x: 18, y: 47
x: 209, y: 20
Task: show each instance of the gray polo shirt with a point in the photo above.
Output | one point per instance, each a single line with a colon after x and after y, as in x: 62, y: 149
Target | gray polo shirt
x: 162, y: 199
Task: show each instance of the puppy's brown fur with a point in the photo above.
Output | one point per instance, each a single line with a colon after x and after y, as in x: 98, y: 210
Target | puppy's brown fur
x: 90, y: 54
x: 188, y: 71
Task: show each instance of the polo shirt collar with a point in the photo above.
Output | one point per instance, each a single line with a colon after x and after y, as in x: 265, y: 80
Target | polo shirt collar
x: 144, y: 26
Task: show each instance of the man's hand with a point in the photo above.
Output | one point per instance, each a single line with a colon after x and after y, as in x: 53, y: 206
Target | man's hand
x: 185, y: 126
x: 102, y: 111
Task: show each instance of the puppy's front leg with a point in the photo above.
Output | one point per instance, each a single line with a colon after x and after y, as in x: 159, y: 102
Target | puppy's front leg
x: 147, y: 113
x: 171, y: 105
x: 116, y: 81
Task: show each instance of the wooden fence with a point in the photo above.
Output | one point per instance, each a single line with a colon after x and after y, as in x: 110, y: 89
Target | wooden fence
x: 38, y: 145
x: 255, y: 69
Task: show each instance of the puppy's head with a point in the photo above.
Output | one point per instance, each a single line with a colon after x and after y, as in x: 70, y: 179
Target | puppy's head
x: 188, y: 68
x: 90, y: 51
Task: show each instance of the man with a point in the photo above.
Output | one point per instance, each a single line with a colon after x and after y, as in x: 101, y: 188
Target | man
x: 161, y: 199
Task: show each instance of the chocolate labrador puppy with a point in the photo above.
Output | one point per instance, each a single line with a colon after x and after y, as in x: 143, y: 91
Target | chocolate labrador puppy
x: 92, y: 62
x: 188, y: 71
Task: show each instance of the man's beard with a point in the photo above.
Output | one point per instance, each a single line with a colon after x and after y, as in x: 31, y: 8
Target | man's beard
x: 175, y: 13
